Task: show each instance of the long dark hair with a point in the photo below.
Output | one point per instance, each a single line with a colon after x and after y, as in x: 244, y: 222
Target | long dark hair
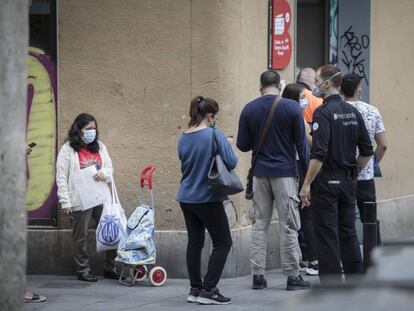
x: 292, y: 91
x: 200, y: 107
x: 75, y: 133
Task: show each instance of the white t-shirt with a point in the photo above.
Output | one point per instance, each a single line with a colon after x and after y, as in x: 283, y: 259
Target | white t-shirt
x: 373, y: 123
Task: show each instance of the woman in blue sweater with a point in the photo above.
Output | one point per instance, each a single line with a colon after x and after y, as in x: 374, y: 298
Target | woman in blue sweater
x: 201, y: 206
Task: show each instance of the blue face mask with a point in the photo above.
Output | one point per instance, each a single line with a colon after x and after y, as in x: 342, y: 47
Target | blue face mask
x: 303, y: 102
x: 89, y: 136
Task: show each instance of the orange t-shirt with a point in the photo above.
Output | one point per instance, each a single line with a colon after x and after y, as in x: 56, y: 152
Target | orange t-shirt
x: 314, y: 102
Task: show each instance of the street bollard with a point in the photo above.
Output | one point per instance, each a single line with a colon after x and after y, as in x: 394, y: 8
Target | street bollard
x: 369, y: 231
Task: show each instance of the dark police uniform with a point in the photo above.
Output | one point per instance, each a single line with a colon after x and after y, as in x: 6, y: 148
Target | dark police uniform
x: 337, y: 130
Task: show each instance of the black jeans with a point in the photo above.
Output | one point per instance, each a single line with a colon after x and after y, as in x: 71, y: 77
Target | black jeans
x: 309, y: 252
x: 366, y: 193
x: 198, y: 217
x: 333, y: 203
x: 306, y: 236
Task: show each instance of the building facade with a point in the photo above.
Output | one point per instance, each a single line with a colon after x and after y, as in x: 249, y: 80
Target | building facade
x: 135, y: 65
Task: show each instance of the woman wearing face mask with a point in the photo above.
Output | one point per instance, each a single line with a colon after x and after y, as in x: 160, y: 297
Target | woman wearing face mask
x: 201, y: 206
x: 296, y: 92
x: 81, y: 150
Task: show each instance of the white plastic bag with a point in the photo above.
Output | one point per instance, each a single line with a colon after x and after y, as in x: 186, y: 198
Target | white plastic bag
x: 112, y: 225
x: 91, y: 193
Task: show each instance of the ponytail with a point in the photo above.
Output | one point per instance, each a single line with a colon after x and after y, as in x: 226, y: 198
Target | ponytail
x: 200, y: 107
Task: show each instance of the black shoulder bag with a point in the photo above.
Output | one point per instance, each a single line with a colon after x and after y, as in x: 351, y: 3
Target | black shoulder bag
x: 220, y: 178
x: 263, y: 134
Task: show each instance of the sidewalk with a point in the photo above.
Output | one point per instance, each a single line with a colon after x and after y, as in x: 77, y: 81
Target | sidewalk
x: 68, y: 294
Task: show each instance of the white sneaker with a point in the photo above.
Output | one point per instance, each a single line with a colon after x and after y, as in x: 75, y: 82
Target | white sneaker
x: 312, y: 270
x: 212, y: 297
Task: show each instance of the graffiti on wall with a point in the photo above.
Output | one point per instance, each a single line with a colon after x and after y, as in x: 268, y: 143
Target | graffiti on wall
x: 354, y: 47
x: 41, y: 197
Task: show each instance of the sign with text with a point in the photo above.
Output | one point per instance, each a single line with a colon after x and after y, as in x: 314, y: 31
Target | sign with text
x: 280, y: 40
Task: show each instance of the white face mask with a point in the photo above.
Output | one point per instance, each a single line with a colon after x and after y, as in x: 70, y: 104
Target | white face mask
x: 303, y: 102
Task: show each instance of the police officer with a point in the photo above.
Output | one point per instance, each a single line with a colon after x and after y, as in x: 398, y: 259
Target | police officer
x: 337, y: 130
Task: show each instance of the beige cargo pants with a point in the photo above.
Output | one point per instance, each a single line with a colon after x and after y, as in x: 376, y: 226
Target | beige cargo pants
x: 282, y: 192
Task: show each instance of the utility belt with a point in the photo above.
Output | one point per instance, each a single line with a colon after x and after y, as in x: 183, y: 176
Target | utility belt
x: 339, y: 173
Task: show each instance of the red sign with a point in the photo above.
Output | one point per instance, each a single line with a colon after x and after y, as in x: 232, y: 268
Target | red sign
x: 281, y: 41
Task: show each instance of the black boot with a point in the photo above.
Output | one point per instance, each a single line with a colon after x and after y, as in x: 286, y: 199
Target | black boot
x: 86, y: 277
x: 259, y: 282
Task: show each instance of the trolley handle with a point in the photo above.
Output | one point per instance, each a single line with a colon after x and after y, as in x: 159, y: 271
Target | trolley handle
x: 146, y: 176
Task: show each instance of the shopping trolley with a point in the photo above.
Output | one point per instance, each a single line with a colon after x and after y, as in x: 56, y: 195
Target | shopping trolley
x: 136, y: 252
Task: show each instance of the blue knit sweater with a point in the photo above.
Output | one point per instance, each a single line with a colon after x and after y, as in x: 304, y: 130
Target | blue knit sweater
x: 195, y: 153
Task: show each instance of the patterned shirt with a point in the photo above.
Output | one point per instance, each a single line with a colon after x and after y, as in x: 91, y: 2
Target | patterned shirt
x: 374, y: 125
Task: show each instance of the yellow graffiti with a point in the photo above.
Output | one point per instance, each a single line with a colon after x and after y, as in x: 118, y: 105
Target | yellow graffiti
x: 41, y: 129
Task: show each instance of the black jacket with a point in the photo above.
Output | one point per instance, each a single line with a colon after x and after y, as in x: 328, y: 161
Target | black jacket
x: 337, y: 130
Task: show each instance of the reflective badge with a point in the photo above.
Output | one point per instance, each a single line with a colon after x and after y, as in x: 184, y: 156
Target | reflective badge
x: 108, y: 230
x: 315, y: 126
x: 334, y: 182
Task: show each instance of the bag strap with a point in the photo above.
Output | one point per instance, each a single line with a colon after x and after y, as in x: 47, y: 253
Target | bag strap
x: 115, y: 198
x: 263, y: 133
x: 214, y: 149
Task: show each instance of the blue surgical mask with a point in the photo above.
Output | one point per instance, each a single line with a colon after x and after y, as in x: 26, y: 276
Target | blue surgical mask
x: 303, y: 102
x: 89, y: 136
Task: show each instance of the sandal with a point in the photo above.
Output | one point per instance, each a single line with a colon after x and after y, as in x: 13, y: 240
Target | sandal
x: 34, y: 297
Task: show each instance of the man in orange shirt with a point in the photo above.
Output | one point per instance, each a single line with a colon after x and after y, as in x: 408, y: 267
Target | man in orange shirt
x: 306, y: 77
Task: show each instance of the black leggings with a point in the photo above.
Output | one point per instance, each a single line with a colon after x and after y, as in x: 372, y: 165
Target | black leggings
x: 210, y: 216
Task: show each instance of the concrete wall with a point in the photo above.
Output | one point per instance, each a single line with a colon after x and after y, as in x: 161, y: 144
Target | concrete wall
x: 128, y: 63
x: 392, y: 73
x: 135, y: 65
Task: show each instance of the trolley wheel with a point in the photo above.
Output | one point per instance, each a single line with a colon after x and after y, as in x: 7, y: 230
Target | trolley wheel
x: 157, y: 276
x: 141, y: 273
